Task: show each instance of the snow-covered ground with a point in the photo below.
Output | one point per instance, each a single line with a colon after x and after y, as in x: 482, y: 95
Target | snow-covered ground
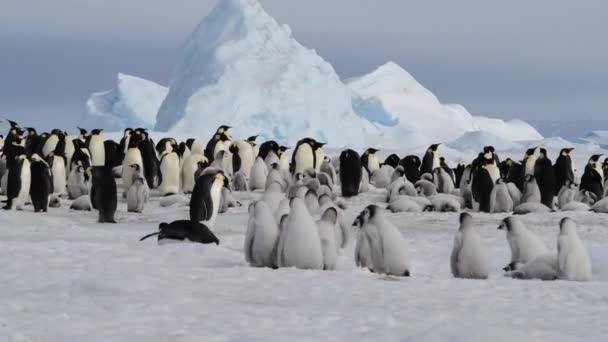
x: 66, y: 278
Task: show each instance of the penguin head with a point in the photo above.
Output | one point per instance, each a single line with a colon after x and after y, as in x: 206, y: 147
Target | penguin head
x: 400, y: 170
x: 465, y: 219
x: 13, y: 124
x: 567, y: 226
x: 31, y: 131
x: 489, y: 149
x: 372, y: 151
x: 96, y: 131
x: 83, y: 132
x: 530, y: 152
x: 252, y: 139
x: 507, y: 224
x: 366, y: 214
x: 223, y: 129
x: 223, y: 137
x: 318, y: 145
x: 595, y: 158
x: 543, y: 153
x: 566, y: 151
x: 433, y: 148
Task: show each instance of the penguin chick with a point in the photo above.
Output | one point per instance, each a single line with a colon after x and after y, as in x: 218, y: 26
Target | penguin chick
x: 524, y: 244
x: 543, y: 267
x: 469, y: 255
x: 573, y: 258
x: 138, y: 193
x: 327, y: 233
x: 262, y: 236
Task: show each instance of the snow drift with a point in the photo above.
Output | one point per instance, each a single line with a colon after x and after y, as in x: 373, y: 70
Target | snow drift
x: 133, y: 102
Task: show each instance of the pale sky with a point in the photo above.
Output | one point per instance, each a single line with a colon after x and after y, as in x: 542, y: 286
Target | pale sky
x: 541, y: 59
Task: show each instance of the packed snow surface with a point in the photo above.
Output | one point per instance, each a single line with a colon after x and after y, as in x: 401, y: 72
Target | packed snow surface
x: 66, y: 277
x: 133, y: 102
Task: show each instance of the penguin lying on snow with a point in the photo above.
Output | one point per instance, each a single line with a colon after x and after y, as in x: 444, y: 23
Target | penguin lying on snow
x: 525, y: 245
x: 184, y: 230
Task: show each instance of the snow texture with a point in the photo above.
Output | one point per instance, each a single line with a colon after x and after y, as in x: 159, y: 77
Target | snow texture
x: 133, y: 102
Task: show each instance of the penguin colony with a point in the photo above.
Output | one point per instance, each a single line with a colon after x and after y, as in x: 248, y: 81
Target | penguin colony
x: 299, y: 221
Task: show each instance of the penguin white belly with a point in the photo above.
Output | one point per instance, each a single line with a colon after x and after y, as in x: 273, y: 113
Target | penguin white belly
x: 494, y: 172
x: 530, y: 163
x: 284, y: 162
x: 472, y: 259
x: 49, y: 145
x: 189, y: 168
x: 262, y: 236
x: 395, y: 259
x: 59, y: 178
x: 97, y: 151
x: 372, y: 163
x: 24, y: 191
x: 304, y: 158
x: 574, y: 261
x: 216, y: 196
x: 169, y: 169
x: 132, y: 157
x: 259, y: 173
x: 319, y: 156
x: 301, y: 245
x: 436, y: 161
x: 69, y: 151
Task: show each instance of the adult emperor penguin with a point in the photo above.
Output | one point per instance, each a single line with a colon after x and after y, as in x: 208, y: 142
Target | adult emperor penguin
x: 283, y: 158
x: 252, y: 141
x: 299, y: 243
x: 525, y: 245
x: 430, y: 161
x: 151, y: 164
x: 259, y: 173
x: 19, y: 178
x: 83, y: 134
x: 195, y: 146
x: 605, y: 168
x: 483, y: 183
x: 50, y: 144
x: 242, y: 157
x: 572, y: 255
x: 304, y: 156
x: 205, y: 200
x: 169, y: 173
x: 563, y: 170
x: 369, y: 160
x: 96, y: 148
x: 261, y: 237
x: 411, y: 166
x: 41, y: 185
x: 133, y: 156
x: 469, y: 257
x: 529, y: 162
x: 220, y: 137
x: 138, y: 193
x: 32, y: 141
x: 103, y: 185
x: 182, y: 230
x: 57, y: 162
x: 593, y: 177
x: 389, y: 249
x: 351, y: 173
x: 392, y: 160
x: 545, y: 178
x: 124, y: 142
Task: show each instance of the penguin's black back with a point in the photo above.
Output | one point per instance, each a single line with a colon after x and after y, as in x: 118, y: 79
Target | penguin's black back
x: 458, y: 172
x: 201, y: 203
x: 41, y: 186
x: 411, y: 166
x: 392, y: 160
x: 104, y: 193
x: 563, y: 172
x: 210, y: 148
x: 188, y: 230
x: 427, y: 163
x: 350, y: 173
x: 236, y: 158
x: 592, y: 181
x: 545, y: 178
x: 267, y: 147
x: 13, y: 184
x: 151, y: 163
x: 482, y: 188
x: 114, y: 155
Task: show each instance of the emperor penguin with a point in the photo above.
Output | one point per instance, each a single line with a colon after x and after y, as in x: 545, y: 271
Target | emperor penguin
x: 513, y: 172
x: 19, y: 177
x: 567, y: 194
x: 525, y: 245
x: 81, y: 157
x: 573, y: 258
x: 469, y: 257
x: 328, y: 233
x: 369, y: 160
x: 458, y: 173
x: 32, y: 141
x: 78, y: 181
x: 545, y: 178
x: 169, y: 173
x: 445, y: 182
x: 411, y: 166
x: 261, y: 237
x: 242, y: 157
x: 483, y: 183
x: 529, y: 161
x: 133, y: 156
x: 593, y: 177
x: 304, y: 156
x: 182, y: 230
x: 363, y: 250
x: 299, y: 242
x: 103, y: 192
x: 189, y: 167
x: 139, y: 192
x: 392, y: 160
x: 41, y: 185
x: 254, y: 146
x: 240, y: 182
x: 124, y: 142
x: 151, y: 164
x: 284, y: 158
x: 500, y: 198
x: 259, y: 173
x: 83, y: 134
x: 543, y: 267
x: 220, y: 141
x: 530, y: 207
x: 96, y: 148
x: 389, y: 249
x: 267, y: 148
x: 563, y: 169
x: 351, y: 173
x: 531, y: 192
x: 381, y: 178
x: 58, y: 163
x: 50, y: 144
x: 195, y: 146
x: 206, y: 197
x: 328, y: 168
x: 319, y: 155
x: 430, y: 161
